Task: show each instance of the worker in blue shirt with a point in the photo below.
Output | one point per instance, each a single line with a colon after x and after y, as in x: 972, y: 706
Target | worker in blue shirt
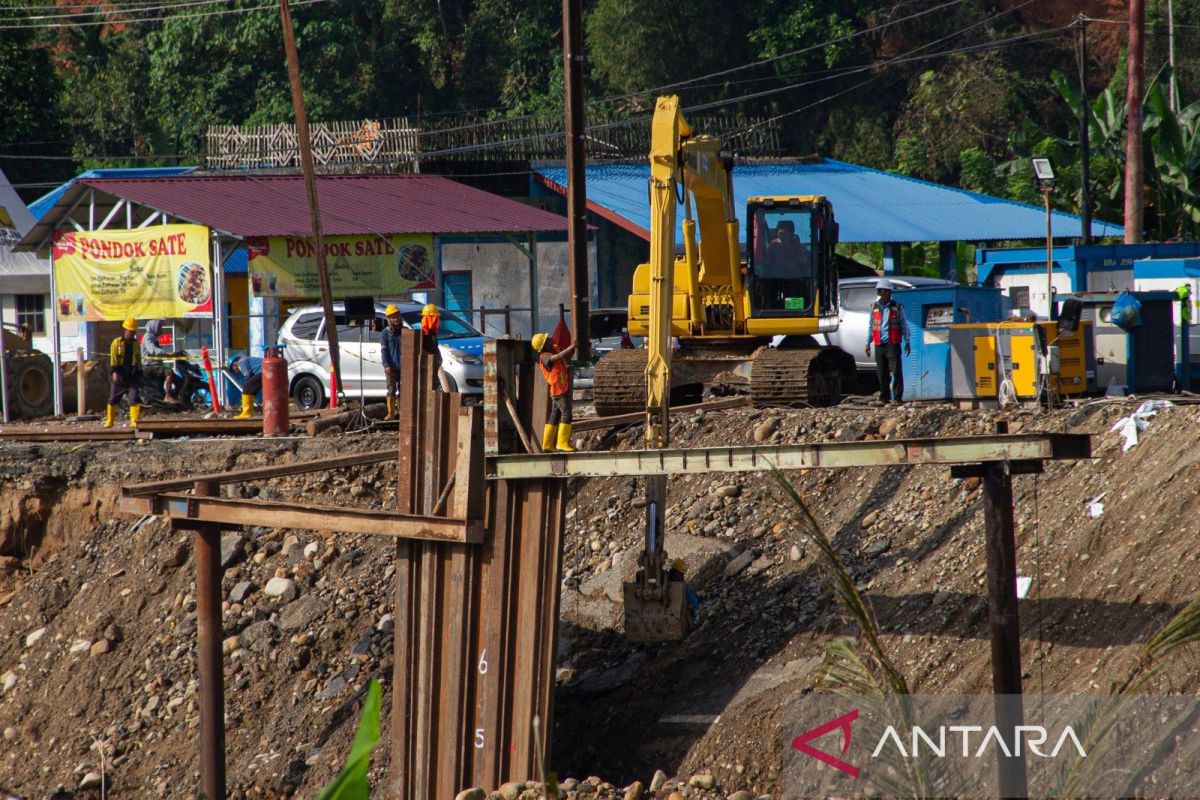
x: 888, y: 328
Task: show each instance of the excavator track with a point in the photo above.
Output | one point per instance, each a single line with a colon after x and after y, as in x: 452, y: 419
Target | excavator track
x: 619, y: 383
x: 788, y: 376
x: 797, y: 376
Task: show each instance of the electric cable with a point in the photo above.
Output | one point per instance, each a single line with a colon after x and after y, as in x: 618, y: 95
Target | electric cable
x: 141, y: 20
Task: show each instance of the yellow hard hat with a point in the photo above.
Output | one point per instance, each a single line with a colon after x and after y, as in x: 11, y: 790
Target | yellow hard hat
x: 130, y: 324
x: 539, y: 341
x: 430, y: 310
x: 391, y: 309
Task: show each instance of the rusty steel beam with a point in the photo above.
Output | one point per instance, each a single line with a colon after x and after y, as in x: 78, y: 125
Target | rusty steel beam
x: 68, y: 435
x: 208, y: 651
x: 278, y: 514
x: 259, y: 473
x: 475, y: 625
x: 826, y: 455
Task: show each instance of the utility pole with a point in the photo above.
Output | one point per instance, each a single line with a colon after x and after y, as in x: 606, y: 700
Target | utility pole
x: 310, y: 186
x: 1085, y: 158
x: 576, y: 186
x: 1134, y: 181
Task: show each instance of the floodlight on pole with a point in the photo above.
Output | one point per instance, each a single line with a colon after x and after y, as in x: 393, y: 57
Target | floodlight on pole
x: 1043, y: 173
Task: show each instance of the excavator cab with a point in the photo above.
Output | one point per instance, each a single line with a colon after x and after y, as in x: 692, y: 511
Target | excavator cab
x: 789, y: 247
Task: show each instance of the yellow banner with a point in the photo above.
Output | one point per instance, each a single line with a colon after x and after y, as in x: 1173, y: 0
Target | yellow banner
x: 158, y: 272
x: 371, y: 265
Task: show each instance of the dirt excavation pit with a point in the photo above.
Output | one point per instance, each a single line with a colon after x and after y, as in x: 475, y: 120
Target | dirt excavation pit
x: 98, y: 627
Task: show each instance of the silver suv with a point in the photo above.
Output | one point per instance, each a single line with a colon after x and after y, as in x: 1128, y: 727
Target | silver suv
x: 306, y: 348
x: 855, y: 297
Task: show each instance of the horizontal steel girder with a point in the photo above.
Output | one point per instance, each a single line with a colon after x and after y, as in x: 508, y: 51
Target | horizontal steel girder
x: 824, y: 455
x: 183, y: 509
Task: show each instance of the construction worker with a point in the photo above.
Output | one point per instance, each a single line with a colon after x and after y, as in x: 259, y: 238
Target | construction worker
x: 125, y: 359
x: 250, y: 370
x: 155, y: 357
x: 431, y: 323
x: 888, y: 328
x: 389, y: 346
x: 1184, y: 293
x: 554, y: 369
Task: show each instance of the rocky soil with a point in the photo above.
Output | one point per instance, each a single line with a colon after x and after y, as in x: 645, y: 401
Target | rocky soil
x: 97, y: 627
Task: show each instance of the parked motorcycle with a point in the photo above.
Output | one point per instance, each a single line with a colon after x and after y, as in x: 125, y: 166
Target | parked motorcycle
x: 189, y: 383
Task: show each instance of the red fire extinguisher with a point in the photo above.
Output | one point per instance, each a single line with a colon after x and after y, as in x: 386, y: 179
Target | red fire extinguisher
x: 274, y: 392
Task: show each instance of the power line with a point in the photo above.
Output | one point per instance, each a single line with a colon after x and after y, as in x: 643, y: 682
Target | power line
x: 140, y: 20
x: 108, y: 11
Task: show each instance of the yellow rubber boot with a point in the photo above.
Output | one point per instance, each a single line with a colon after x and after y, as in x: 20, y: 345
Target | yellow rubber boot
x: 548, y: 434
x: 110, y: 416
x: 135, y: 411
x: 564, y: 438
x: 391, y: 404
x: 247, y: 407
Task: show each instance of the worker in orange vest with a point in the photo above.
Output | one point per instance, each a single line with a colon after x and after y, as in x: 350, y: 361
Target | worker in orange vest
x: 431, y: 323
x: 553, y: 363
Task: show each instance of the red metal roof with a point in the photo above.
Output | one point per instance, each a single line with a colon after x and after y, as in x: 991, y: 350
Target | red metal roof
x: 276, y: 205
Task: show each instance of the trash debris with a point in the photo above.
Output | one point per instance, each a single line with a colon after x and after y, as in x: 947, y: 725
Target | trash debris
x: 1023, y: 585
x: 1137, y: 421
x: 1095, y: 507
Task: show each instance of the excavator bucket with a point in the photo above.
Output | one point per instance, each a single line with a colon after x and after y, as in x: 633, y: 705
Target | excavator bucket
x: 657, y: 619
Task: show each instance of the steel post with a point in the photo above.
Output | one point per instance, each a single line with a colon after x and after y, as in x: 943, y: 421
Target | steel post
x: 208, y: 652
x: 1003, y: 617
x: 576, y: 189
x: 80, y: 383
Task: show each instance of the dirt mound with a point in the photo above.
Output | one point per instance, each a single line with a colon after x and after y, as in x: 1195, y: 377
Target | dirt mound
x: 97, y: 633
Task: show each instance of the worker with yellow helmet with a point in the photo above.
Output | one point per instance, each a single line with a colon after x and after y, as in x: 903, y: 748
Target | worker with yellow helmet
x: 389, y: 347
x: 553, y: 363
x: 125, y: 363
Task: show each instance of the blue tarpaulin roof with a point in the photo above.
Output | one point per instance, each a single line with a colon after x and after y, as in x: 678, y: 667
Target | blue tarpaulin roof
x: 46, y: 202
x: 870, y: 205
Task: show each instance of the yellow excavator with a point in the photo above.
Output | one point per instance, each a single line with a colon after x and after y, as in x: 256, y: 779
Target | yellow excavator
x: 723, y: 312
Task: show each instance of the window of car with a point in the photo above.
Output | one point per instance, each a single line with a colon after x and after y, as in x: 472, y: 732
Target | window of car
x: 306, y: 326
x: 857, y: 298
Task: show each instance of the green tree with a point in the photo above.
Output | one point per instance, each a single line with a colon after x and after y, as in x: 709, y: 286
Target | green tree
x: 634, y: 46
x: 32, y: 126
x: 969, y: 103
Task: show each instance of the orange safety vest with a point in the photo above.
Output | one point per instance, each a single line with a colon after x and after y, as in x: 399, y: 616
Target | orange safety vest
x: 430, y: 324
x: 556, y: 375
x: 893, y: 326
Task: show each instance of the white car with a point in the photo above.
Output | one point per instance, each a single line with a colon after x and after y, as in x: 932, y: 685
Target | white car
x: 306, y: 348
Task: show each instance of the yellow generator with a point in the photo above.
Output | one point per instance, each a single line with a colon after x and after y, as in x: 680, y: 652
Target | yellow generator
x: 995, y: 360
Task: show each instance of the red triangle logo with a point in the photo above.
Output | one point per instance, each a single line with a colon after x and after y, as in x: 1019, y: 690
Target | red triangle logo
x: 842, y: 723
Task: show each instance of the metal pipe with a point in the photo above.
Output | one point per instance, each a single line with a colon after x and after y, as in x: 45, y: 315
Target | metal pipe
x: 208, y: 651
x: 1003, y: 617
x: 4, y: 366
x: 1049, y: 256
x: 80, y: 384
x: 55, y: 356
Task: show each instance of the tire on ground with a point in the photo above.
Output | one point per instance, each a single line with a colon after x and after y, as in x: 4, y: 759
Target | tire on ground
x: 30, y: 385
